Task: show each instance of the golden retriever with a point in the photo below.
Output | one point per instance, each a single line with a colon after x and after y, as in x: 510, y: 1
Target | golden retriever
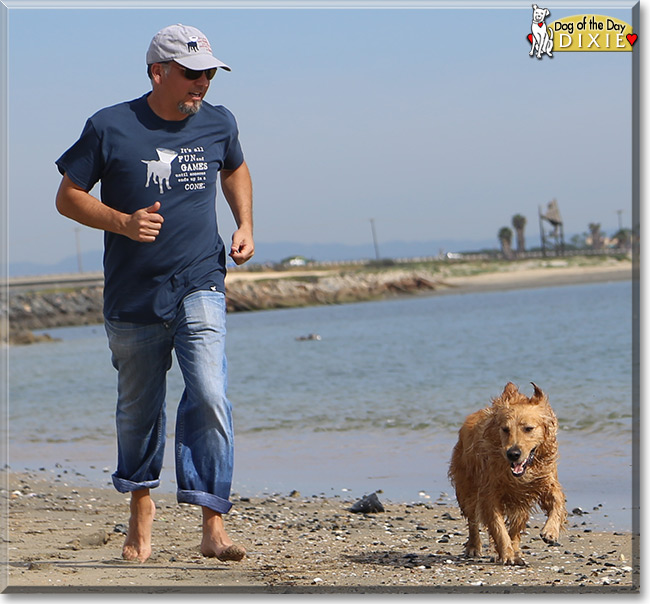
x: 504, y: 464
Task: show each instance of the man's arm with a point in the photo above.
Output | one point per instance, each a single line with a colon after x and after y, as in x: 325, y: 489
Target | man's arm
x: 74, y: 202
x: 238, y: 191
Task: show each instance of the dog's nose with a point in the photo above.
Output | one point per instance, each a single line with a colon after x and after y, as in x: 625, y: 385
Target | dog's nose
x: 514, y: 453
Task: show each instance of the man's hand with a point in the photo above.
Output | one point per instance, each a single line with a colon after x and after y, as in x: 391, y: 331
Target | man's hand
x: 238, y: 191
x: 242, y: 248
x: 145, y: 224
x: 76, y: 203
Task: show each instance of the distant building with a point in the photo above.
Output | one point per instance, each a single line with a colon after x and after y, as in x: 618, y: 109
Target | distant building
x: 295, y: 261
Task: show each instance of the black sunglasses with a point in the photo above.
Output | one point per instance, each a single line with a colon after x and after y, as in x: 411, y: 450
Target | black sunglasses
x: 193, y: 74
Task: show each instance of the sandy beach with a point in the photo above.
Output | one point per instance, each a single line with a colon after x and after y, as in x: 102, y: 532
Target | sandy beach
x: 520, y: 276
x: 63, y: 537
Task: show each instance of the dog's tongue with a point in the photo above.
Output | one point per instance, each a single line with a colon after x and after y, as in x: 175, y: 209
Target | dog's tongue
x: 518, y: 468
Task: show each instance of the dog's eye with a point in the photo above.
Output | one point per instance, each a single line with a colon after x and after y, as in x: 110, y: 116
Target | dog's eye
x: 529, y: 428
x: 506, y: 430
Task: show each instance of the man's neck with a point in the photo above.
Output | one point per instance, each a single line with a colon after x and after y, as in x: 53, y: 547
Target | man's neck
x: 163, y: 110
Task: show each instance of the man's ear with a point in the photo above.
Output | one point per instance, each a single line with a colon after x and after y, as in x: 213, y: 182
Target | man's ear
x: 157, y: 72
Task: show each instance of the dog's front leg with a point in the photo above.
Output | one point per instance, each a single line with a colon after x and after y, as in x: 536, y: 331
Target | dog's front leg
x: 499, y: 533
x: 517, y: 522
x: 473, y: 545
x: 553, y: 504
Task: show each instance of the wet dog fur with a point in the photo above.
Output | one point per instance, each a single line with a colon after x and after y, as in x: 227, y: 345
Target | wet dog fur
x: 503, y: 465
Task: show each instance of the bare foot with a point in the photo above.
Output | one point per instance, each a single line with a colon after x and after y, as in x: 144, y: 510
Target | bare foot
x: 137, y: 545
x: 215, y: 542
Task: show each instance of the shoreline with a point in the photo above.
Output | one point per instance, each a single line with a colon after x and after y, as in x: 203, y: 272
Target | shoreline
x: 64, y: 539
x: 416, y: 471
x: 539, y: 277
x: 512, y: 276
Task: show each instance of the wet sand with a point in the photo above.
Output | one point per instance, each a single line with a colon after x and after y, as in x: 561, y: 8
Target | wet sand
x: 63, y: 538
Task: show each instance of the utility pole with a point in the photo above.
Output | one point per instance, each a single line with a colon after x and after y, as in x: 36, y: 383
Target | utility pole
x: 620, y: 222
x: 374, y: 238
x: 542, y: 236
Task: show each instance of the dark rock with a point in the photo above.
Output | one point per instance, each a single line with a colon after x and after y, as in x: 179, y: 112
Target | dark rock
x: 368, y: 504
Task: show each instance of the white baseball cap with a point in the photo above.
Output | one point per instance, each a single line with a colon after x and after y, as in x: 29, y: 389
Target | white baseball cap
x: 184, y: 44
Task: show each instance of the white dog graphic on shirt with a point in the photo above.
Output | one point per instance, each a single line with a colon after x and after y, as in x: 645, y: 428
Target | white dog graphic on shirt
x: 160, y: 170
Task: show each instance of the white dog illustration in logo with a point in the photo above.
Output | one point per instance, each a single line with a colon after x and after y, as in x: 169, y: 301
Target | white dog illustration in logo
x: 159, y: 170
x: 542, y: 36
x: 193, y: 44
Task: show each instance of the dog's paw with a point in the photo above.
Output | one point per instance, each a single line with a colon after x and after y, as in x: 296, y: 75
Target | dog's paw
x: 550, y: 536
x: 550, y: 540
x: 473, y: 552
x: 509, y: 557
x: 515, y: 560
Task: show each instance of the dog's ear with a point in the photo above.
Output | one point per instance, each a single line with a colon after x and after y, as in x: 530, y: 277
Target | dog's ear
x: 509, y: 393
x: 548, y: 12
x: 534, y: 6
x: 539, y: 395
x: 550, y: 430
x: 550, y: 420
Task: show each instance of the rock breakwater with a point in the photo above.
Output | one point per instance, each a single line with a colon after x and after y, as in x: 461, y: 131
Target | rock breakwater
x: 38, y: 310
x: 333, y: 289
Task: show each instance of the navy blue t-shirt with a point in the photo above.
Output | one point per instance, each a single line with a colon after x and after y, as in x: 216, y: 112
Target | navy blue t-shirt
x: 139, y: 159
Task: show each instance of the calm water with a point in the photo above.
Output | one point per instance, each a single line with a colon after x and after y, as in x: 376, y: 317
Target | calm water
x: 376, y: 403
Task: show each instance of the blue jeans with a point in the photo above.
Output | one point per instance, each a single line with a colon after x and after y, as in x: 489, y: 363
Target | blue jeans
x: 142, y: 355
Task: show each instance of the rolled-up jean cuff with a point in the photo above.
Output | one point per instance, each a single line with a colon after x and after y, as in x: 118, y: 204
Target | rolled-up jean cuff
x: 126, y: 486
x: 203, y: 499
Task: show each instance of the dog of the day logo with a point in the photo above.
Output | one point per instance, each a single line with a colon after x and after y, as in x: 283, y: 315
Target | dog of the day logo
x: 578, y: 33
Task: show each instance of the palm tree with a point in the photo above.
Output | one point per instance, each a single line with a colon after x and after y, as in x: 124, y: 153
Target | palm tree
x: 623, y: 239
x: 519, y: 224
x: 505, y: 238
x: 596, y: 239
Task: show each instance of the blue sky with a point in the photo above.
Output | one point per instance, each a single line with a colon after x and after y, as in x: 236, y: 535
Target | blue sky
x: 433, y: 122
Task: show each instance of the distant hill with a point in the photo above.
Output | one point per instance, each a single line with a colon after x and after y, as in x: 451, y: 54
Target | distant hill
x: 271, y: 253
x: 323, y: 252
x: 90, y: 262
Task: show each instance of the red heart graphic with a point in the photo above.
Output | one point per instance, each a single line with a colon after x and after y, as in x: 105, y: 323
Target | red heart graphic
x: 631, y: 38
x: 539, y: 24
x: 530, y: 38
